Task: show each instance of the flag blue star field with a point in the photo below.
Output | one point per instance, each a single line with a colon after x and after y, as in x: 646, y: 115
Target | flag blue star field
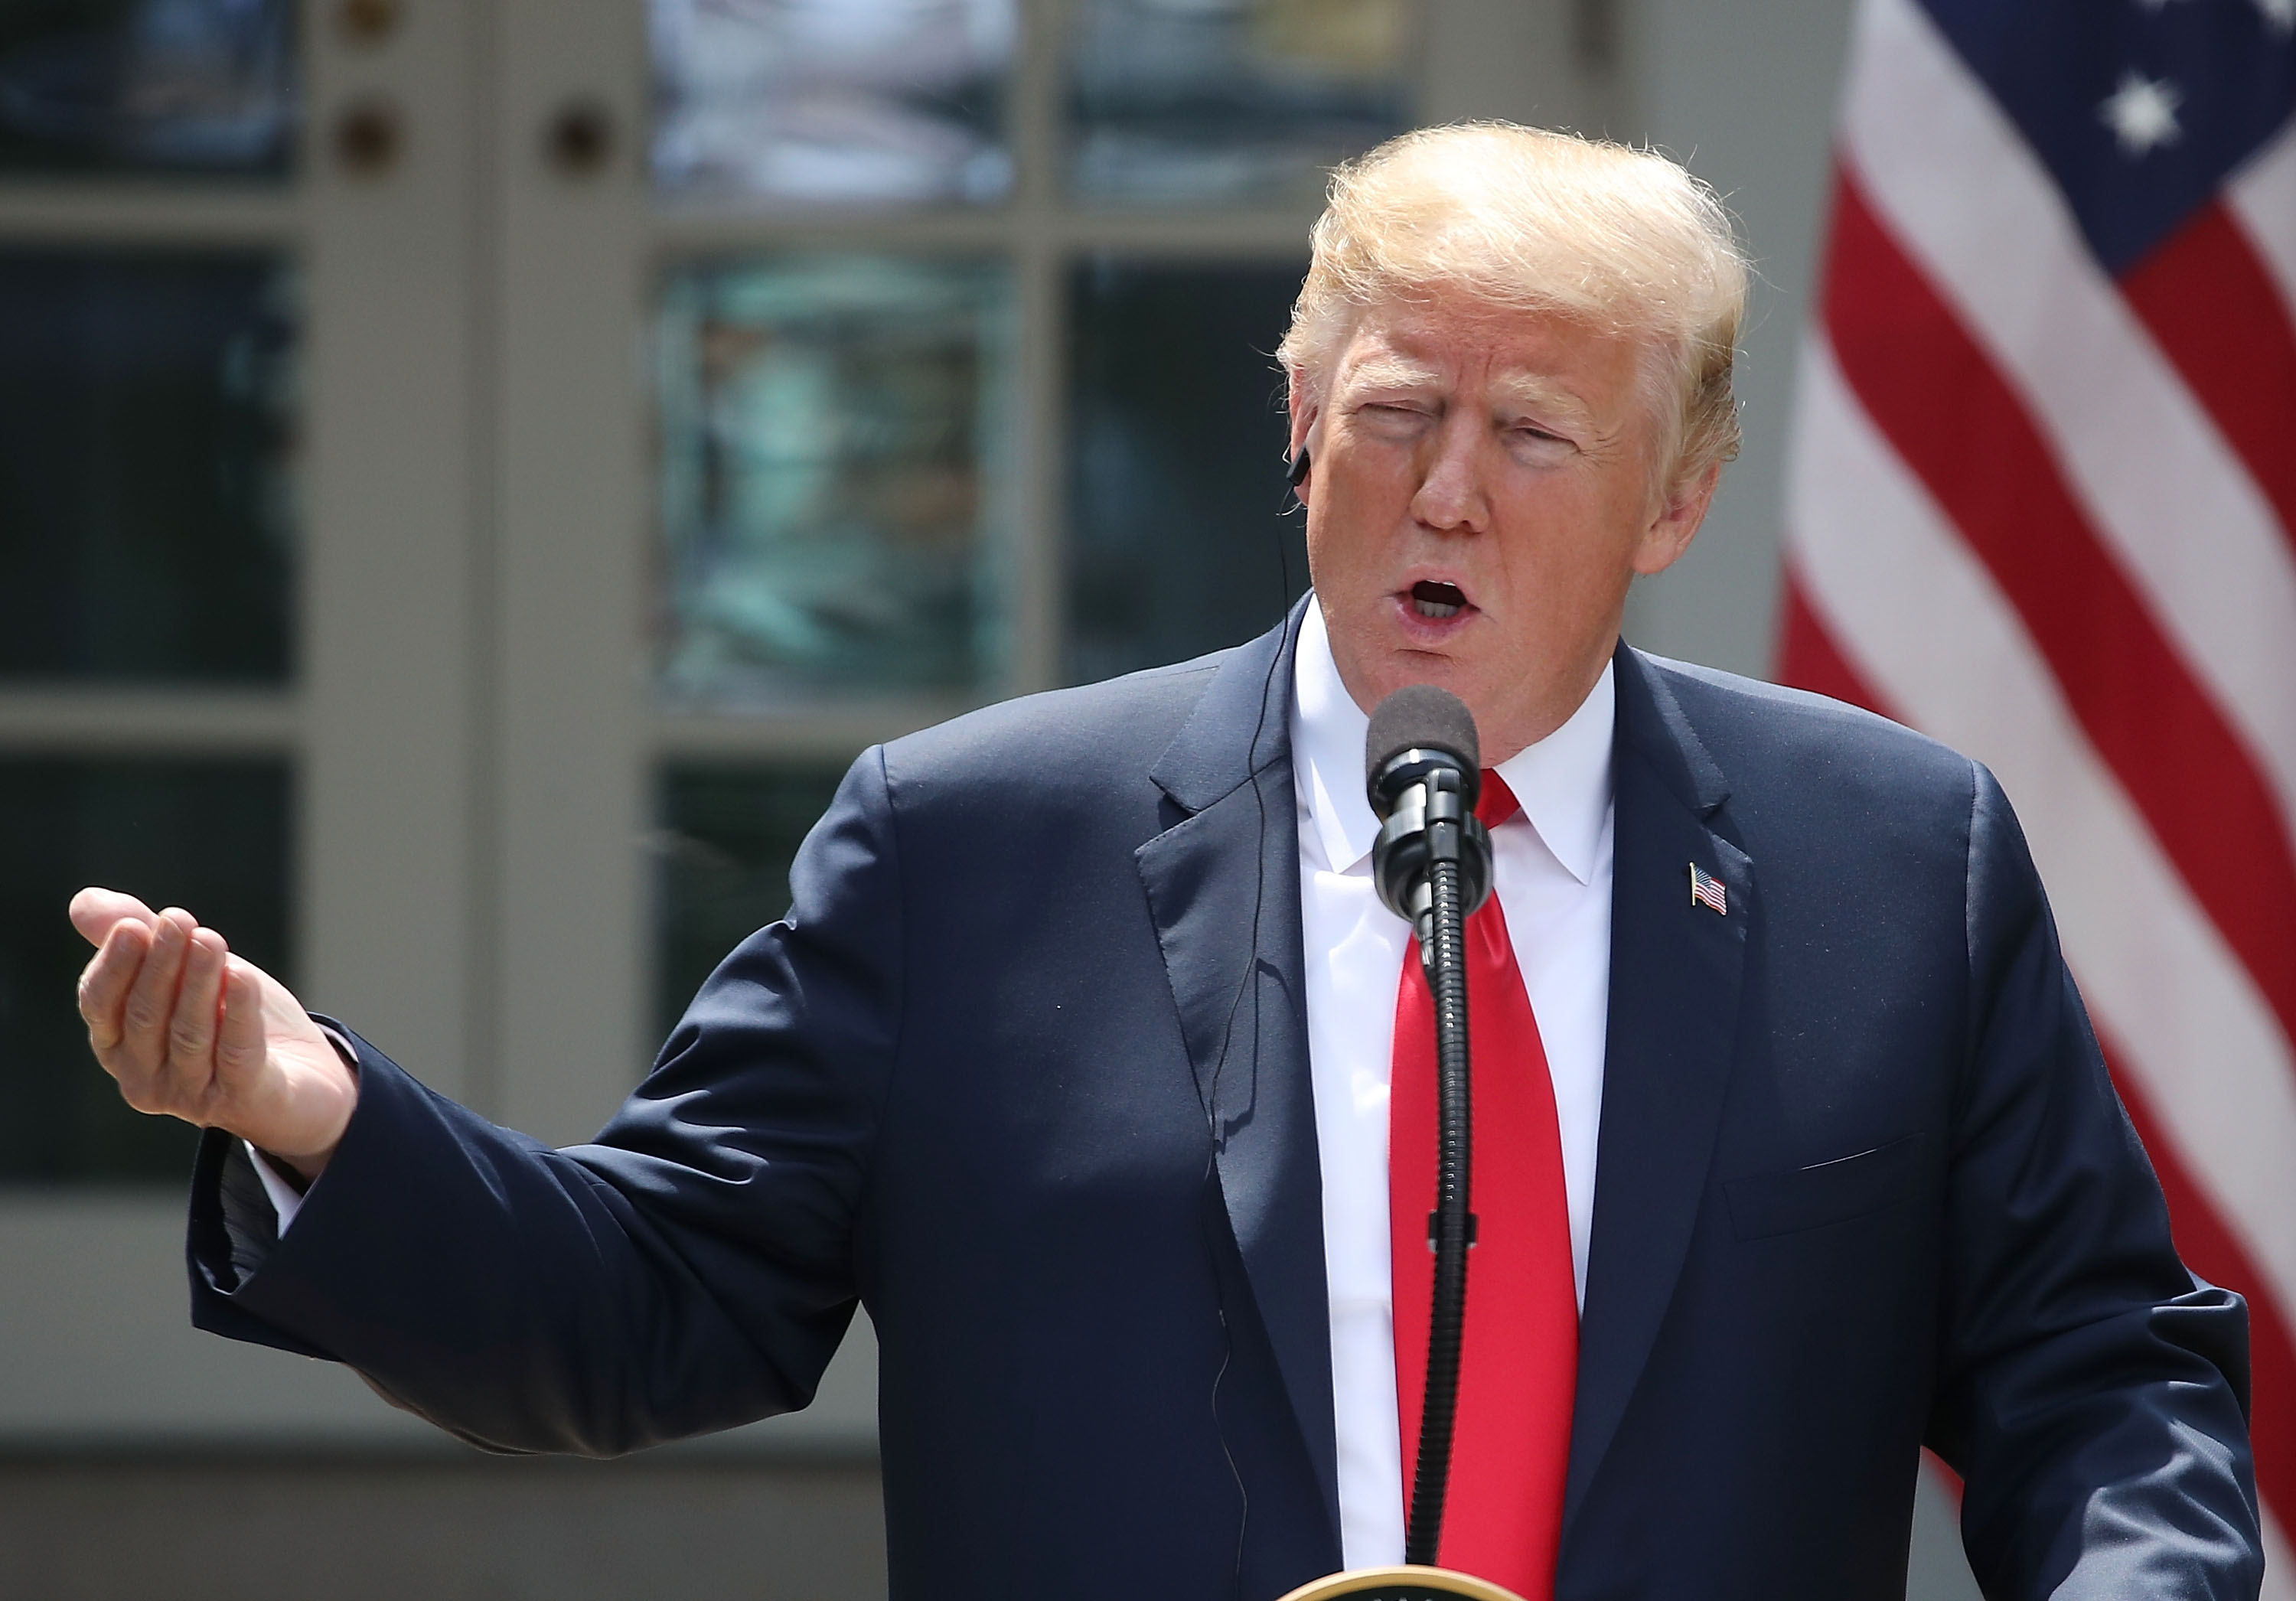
x: 2042, y: 505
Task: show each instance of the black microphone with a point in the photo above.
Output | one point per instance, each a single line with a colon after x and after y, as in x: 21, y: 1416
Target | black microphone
x: 1432, y: 864
x: 1423, y: 772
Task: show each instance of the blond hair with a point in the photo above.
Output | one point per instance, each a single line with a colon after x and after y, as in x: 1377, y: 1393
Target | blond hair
x: 1624, y: 240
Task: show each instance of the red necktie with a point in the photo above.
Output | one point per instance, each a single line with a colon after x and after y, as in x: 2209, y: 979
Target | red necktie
x: 1518, y: 1363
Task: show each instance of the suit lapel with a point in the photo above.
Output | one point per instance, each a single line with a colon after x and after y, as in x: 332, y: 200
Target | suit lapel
x: 1676, y: 972
x: 1231, y: 941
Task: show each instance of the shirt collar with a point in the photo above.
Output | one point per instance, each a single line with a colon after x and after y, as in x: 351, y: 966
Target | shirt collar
x: 1563, y: 781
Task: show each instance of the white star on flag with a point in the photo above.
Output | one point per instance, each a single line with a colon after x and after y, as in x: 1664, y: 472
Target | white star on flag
x: 2142, y: 112
x: 2279, y: 15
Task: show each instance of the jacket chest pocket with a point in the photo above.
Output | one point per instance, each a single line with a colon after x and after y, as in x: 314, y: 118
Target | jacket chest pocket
x: 1831, y: 1191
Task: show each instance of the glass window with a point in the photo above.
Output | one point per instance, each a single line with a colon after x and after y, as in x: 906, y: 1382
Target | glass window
x: 726, y: 837
x: 833, y: 476
x: 147, y: 86
x: 145, y: 466
x: 1183, y: 535
x: 1232, y: 103
x: 208, y: 834
x: 832, y: 102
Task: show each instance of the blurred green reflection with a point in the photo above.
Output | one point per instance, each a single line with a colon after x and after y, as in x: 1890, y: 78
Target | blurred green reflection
x: 834, y: 485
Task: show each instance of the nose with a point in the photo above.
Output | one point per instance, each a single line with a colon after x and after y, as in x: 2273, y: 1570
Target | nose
x: 1451, y: 496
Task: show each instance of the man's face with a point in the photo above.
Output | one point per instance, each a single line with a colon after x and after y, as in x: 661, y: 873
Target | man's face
x: 1480, y: 498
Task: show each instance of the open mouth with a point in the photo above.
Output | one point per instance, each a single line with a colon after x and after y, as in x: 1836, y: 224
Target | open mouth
x: 1430, y: 598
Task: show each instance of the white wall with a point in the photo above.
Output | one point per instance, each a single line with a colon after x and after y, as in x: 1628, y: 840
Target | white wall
x: 1744, y: 93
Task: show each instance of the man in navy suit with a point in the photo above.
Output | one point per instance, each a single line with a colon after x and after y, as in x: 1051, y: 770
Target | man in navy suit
x: 1071, y: 1060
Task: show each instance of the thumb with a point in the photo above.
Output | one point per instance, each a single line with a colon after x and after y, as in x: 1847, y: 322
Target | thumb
x: 96, y: 911
x: 240, y: 1039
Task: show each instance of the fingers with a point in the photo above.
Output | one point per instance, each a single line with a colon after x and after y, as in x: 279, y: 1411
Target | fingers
x: 104, y: 983
x: 95, y: 912
x: 191, y: 1028
x: 151, y: 998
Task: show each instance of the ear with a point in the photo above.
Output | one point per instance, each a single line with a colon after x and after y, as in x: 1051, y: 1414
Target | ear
x: 1304, y: 414
x: 1675, y: 522
x: 1303, y: 410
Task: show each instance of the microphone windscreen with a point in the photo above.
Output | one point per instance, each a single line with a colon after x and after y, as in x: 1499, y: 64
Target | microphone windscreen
x: 1422, y: 717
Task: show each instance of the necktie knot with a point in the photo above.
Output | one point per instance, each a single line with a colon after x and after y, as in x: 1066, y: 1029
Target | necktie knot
x: 1495, y: 803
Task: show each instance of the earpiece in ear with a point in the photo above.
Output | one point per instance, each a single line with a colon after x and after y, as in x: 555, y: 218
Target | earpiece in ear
x: 1296, y: 470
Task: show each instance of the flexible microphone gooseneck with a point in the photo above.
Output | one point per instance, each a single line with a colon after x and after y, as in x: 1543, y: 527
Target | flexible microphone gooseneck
x: 1432, y: 864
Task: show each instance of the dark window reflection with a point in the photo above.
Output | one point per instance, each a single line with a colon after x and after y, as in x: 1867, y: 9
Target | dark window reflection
x: 832, y: 102
x: 833, y: 476
x: 144, y: 446
x: 1182, y: 537
x: 147, y: 86
x: 726, y: 837
x: 1235, y: 102
x: 212, y: 836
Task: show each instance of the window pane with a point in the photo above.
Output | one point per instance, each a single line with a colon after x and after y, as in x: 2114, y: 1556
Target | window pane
x: 726, y: 838
x: 1233, y: 102
x: 144, y: 446
x: 833, y: 476
x: 1182, y: 533
x: 147, y: 86
x: 208, y: 835
x: 832, y: 102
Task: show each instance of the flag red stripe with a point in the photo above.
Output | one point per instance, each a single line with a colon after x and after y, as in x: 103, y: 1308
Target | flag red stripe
x: 1810, y: 659
x: 2215, y: 313
x: 2215, y: 1253
x: 1961, y: 430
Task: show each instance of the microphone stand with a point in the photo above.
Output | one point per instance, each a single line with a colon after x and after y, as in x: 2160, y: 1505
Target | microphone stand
x: 1442, y: 946
x: 1431, y: 865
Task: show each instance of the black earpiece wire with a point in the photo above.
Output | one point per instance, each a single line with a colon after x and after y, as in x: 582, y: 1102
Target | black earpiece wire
x: 1295, y: 472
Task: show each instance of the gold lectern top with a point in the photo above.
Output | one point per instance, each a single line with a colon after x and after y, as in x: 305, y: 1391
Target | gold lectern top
x: 1402, y: 1584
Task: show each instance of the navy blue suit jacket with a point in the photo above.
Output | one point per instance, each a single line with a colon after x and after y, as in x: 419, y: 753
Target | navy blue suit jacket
x: 1025, y: 1073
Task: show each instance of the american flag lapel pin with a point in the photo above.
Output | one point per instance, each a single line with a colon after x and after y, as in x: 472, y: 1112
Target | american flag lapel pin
x: 1706, y: 891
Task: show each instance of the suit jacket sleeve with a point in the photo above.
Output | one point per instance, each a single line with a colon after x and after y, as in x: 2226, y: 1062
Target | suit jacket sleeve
x: 693, y: 1269
x: 2092, y: 1392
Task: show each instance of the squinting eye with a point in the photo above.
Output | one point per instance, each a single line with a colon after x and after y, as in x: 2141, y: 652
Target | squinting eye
x: 1391, y: 420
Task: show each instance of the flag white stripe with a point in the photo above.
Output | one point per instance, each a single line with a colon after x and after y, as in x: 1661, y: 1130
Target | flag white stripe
x: 1909, y: 603
x: 1941, y: 160
x: 2262, y: 198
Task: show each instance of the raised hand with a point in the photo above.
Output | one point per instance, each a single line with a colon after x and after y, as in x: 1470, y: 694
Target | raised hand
x: 192, y: 1031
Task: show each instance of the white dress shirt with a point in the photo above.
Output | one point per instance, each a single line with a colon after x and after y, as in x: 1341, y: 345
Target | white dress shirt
x: 286, y: 1199
x: 1552, y: 864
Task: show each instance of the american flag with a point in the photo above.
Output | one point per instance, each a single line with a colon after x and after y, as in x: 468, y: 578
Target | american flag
x: 2043, y: 506
x: 1706, y: 891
